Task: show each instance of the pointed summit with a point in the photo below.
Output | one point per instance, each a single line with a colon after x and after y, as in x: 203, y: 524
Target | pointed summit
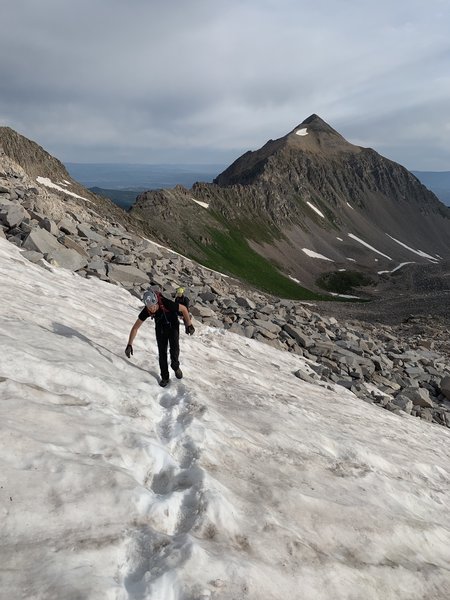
x: 317, y: 124
x: 312, y: 136
x: 325, y: 138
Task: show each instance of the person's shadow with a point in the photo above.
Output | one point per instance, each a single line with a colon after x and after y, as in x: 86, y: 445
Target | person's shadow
x: 65, y: 331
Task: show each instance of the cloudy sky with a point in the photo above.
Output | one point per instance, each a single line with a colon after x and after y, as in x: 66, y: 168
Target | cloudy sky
x: 194, y: 81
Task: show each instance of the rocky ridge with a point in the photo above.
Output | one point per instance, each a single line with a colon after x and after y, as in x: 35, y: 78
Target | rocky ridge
x: 403, y: 374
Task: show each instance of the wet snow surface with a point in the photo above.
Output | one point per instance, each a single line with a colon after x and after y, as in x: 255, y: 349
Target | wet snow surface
x: 239, y: 481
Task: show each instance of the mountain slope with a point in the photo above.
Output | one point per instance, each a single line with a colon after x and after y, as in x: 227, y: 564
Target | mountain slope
x: 306, y: 194
x: 225, y: 485
x: 60, y: 192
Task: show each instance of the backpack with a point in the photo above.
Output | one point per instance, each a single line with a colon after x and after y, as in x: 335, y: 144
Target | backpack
x: 160, y: 303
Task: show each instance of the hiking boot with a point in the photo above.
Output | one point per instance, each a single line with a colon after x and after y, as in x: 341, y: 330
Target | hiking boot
x: 178, y: 373
x: 163, y: 382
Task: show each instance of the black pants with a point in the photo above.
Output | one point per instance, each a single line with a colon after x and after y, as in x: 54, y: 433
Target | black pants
x: 168, y: 336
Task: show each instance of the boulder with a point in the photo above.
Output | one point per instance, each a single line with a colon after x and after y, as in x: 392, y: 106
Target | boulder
x: 445, y: 387
x: 84, y: 230
x: 68, y: 227
x: 50, y: 226
x: 126, y: 274
x: 13, y: 216
x: 298, y: 336
x: 418, y: 396
x: 267, y: 326
x: 403, y: 402
x: 202, y: 311
x: 40, y: 240
x: 70, y: 243
x: 208, y: 296
x: 32, y: 256
x: 245, y: 302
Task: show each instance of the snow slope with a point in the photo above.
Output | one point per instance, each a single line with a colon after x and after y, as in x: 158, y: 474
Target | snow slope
x: 240, y: 481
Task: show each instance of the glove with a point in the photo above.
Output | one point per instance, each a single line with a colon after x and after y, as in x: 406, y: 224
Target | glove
x: 129, y: 350
x: 189, y: 329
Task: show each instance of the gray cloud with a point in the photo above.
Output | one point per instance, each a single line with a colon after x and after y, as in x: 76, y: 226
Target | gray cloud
x: 197, y: 81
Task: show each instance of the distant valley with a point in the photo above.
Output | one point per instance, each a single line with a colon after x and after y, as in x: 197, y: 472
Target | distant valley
x: 436, y: 181
x: 123, y: 182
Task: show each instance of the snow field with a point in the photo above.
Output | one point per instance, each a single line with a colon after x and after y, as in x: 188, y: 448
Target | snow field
x: 239, y: 481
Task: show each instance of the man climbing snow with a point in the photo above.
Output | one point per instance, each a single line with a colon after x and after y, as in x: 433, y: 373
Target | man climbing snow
x: 167, y: 327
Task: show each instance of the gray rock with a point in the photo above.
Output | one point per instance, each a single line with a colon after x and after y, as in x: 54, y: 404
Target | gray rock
x: 426, y: 414
x: 267, y: 326
x: 249, y: 331
x: 42, y: 242
x: 84, y: 230
x: 13, y: 215
x: 298, y: 336
x: 123, y: 259
x: 418, y: 396
x: 208, y: 296
x: 305, y: 376
x: 97, y: 266
x: 68, y: 227
x: 126, y: 274
x: 32, y: 256
x: 403, y: 402
x: 68, y: 242
x: 245, y: 302
x: 199, y: 310
x: 50, y: 226
x: 445, y: 387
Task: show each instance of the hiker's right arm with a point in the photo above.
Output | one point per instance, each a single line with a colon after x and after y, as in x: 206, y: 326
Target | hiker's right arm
x: 134, y: 331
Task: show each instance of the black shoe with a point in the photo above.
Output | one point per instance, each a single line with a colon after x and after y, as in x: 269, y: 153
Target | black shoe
x: 163, y: 382
x: 179, y: 373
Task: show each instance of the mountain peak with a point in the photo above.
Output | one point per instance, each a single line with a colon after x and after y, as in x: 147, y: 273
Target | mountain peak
x: 312, y: 136
x: 317, y: 125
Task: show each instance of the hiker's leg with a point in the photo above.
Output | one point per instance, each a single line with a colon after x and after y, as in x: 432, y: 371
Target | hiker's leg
x: 162, y: 338
x: 174, y: 342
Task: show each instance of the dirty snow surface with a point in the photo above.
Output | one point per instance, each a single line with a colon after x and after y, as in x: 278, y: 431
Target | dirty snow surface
x: 238, y: 482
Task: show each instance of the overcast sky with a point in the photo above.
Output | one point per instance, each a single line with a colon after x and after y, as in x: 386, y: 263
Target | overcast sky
x: 205, y: 80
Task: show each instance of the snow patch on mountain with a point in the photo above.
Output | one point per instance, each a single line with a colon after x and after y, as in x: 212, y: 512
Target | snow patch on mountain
x: 357, y: 239
x: 419, y: 252
x: 313, y: 254
x: 49, y: 183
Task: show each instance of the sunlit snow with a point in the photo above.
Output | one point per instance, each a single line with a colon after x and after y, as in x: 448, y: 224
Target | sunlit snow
x: 315, y: 208
x: 350, y: 235
x: 49, y: 183
x: 313, y: 254
x: 239, y: 481
x: 396, y: 268
x: 345, y: 295
x: 204, y: 204
x: 350, y: 206
x: 302, y: 131
x: 419, y: 252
